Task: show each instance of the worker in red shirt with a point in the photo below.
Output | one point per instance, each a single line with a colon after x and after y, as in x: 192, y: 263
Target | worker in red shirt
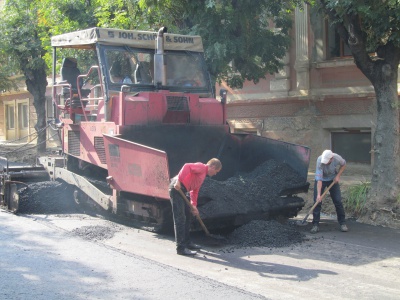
x: 189, y: 180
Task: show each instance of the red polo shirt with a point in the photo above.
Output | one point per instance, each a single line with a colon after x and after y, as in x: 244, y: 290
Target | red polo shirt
x: 192, y: 176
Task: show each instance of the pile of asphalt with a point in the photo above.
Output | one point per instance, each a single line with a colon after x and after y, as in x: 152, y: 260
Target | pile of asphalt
x: 246, y: 193
x: 47, y: 197
x: 257, y: 191
x: 259, y: 233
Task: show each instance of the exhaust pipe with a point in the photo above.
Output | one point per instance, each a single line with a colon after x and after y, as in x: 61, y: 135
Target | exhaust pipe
x: 160, y: 78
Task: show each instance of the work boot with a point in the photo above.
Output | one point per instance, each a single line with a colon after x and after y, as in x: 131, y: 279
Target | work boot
x: 343, y: 228
x: 193, y: 246
x: 186, y: 251
x: 314, y: 229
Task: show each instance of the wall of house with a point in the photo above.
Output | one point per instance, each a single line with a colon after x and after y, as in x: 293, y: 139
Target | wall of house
x: 2, y: 121
x: 310, y: 98
x: 15, y: 98
x: 30, y: 135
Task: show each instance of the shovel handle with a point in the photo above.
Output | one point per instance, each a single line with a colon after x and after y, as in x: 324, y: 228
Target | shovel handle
x: 316, y: 203
x: 197, y: 216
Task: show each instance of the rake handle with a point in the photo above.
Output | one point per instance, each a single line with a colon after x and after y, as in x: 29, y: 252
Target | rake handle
x: 197, y: 216
x: 316, y: 203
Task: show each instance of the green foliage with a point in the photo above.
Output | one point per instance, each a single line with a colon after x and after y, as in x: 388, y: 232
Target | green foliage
x: 60, y: 16
x: 379, y: 20
x: 7, y: 83
x: 8, y: 73
x: 20, y: 36
x: 356, y: 197
x: 243, y: 39
x: 120, y: 14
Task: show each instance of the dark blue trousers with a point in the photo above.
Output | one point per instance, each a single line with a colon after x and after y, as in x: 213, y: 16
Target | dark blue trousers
x: 337, y: 201
x: 182, y: 218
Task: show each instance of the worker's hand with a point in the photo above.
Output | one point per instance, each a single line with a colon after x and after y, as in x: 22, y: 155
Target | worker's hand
x: 319, y: 198
x: 336, y: 179
x: 195, y: 211
x: 177, y: 185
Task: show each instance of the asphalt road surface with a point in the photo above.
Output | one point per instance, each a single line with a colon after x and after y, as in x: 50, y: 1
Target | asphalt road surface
x: 56, y: 257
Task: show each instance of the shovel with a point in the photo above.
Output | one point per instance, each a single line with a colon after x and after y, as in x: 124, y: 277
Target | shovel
x: 218, y: 237
x: 304, y: 221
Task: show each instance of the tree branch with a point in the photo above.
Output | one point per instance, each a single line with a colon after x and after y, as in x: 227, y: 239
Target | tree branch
x: 349, y: 29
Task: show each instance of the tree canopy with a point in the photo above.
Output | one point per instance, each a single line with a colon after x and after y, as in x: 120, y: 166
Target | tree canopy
x: 8, y: 80
x: 22, y: 45
x: 6, y: 83
x: 243, y: 40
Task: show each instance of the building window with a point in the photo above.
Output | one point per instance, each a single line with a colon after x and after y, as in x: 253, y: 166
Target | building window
x: 10, y: 116
x: 23, y: 115
x: 353, y: 146
x: 335, y: 46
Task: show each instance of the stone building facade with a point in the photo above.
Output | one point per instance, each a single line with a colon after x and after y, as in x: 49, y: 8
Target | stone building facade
x: 319, y: 99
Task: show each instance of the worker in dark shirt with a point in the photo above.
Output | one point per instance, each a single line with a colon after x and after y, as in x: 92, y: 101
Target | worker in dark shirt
x: 189, y: 180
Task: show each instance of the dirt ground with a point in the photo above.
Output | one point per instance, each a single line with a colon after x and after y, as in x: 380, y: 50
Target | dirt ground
x: 23, y: 152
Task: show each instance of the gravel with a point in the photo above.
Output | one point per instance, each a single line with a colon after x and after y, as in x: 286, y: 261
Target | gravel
x: 260, y: 233
x: 253, y: 192
x: 244, y: 193
x: 47, y: 197
x: 96, y: 233
x: 53, y: 197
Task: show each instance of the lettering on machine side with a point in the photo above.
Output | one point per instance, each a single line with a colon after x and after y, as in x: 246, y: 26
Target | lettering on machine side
x: 127, y: 35
x: 180, y: 40
x: 121, y: 35
x: 147, y: 37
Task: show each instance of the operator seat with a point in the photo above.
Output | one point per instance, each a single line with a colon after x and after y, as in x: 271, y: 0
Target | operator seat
x: 69, y: 74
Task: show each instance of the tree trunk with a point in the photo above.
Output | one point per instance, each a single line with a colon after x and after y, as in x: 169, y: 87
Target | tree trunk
x: 36, y: 83
x: 384, y: 195
x: 384, y: 201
